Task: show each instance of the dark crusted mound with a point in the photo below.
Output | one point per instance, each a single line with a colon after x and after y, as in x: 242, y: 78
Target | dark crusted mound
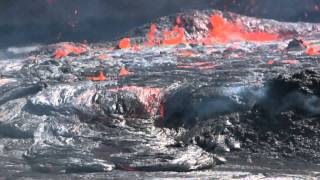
x: 279, y: 119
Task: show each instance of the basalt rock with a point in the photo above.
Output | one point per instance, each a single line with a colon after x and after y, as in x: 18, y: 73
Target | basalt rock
x: 72, y: 108
x: 283, y: 121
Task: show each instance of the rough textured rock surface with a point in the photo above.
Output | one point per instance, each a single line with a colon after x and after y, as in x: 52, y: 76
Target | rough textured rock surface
x: 189, y: 107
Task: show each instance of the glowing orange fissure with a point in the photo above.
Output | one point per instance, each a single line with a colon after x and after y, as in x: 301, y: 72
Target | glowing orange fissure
x: 124, y: 72
x: 124, y: 43
x: 313, y: 51
x: 100, y: 77
x: 222, y: 32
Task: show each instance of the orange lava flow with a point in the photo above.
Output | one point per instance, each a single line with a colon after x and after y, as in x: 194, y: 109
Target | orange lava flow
x: 174, y: 37
x: 224, y: 31
x: 152, y: 36
x: 124, y: 72
x: 66, y: 49
x: 125, y: 43
x: 313, y: 51
x: 101, y: 77
x: 270, y: 62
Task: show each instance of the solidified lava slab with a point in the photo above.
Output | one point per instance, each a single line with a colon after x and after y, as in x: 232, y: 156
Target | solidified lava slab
x: 280, y: 118
x: 181, y: 96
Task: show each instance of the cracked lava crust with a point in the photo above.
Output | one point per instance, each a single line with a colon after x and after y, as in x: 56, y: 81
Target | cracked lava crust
x: 187, y: 92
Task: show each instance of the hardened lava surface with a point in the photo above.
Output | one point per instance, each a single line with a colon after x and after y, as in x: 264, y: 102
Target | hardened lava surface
x: 233, y: 109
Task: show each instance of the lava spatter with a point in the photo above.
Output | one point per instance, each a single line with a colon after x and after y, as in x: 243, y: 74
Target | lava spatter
x: 224, y: 31
x: 152, y: 37
x: 125, y: 43
x: 67, y: 49
x: 124, y: 72
x: 100, y: 77
x: 313, y: 51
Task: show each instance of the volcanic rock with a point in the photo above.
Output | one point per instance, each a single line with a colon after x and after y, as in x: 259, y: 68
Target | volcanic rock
x: 195, y: 97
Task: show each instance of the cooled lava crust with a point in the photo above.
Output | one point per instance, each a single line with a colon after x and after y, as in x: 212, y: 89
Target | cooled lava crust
x: 181, y: 94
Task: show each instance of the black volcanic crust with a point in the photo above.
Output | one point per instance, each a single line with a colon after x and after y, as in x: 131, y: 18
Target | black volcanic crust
x: 283, y: 122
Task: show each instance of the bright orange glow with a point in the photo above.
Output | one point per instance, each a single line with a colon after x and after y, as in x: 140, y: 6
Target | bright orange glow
x: 152, y: 36
x: 260, y: 36
x: 313, y: 51
x: 124, y: 72
x: 101, y: 77
x: 125, y: 43
x: 270, y: 62
x: 224, y: 31
x: 67, y: 49
x: 174, y: 37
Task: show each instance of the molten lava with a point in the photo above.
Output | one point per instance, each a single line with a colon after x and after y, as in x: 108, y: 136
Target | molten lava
x: 125, y: 43
x: 174, y: 37
x: 313, y: 50
x: 67, y: 49
x: 224, y: 31
x: 124, y: 72
x: 152, y: 41
x: 101, y: 77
